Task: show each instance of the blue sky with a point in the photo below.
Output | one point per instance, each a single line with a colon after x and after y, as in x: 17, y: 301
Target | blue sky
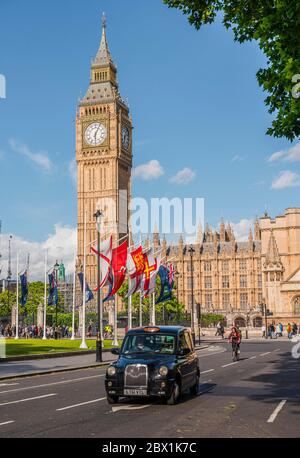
x: 194, y: 99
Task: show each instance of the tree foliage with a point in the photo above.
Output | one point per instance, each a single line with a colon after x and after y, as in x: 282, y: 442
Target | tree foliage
x: 275, y: 25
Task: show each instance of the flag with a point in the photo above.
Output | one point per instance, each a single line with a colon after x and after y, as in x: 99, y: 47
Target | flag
x: 62, y: 273
x: 166, y: 288
x: 118, y: 263
x: 53, y: 291
x: 88, y: 292
x: 135, y: 269
x: 171, y: 275
x: 24, y: 289
x: 105, y: 261
x: 150, y: 271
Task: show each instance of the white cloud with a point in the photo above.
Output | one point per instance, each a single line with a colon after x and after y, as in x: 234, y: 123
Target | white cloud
x: 290, y: 155
x: 242, y: 228
x: 237, y: 158
x: 73, y: 171
x: 60, y: 245
x: 41, y: 159
x: 286, y: 179
x: 184, y: 176
x: 150, y: 171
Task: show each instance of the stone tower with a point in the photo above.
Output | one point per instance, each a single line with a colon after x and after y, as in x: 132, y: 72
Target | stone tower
x: 104, y: 156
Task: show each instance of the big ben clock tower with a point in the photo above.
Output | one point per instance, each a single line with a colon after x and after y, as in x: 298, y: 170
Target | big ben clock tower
x: 104, y: 156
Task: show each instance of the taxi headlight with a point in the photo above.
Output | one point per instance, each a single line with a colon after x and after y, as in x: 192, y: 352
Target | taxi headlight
x: 163, y: 371
x: 111, y: 371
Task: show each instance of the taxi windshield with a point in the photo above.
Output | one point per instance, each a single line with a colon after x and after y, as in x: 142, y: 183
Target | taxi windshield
x: 149, y: 343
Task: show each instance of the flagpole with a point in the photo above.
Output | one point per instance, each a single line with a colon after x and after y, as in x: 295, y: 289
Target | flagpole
x: 17, y: 306
x: 129, y: 305
x: 141, y: 309
x: 153, y: 309
x: 74, y: 298
x: 83, y: 342
x: 45, y: 296
x: 115, y: 342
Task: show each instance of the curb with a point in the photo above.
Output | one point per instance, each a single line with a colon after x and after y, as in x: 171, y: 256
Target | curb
x: 51, y: 355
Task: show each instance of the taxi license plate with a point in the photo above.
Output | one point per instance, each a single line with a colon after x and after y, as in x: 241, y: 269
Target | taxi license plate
x: 135, y: 392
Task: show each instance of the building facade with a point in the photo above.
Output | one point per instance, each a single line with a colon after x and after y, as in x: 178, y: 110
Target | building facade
x: 104, y: 157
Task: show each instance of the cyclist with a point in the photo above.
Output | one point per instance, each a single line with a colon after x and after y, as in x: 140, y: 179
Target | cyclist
x: 235, y: 339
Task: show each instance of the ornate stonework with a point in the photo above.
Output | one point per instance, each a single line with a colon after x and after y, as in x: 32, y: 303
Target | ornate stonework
x: 104, y: 156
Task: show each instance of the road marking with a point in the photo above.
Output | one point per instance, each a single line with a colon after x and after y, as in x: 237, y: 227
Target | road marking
x: 264, y: 354
x: 79, y: 405
x: 252, y: 357
x: 6, y: 423
x: 52, y: 384
x: 278, y: 349
x: 28, y: 399
x: 211, y: 354
x: 205, y: 372
x: 231, y: 364
x: 129, y: 407
x: 276, y: 411
x: 9, y: 384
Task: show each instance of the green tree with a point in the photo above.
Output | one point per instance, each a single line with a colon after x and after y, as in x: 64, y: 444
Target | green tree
x: 7, y: 299
x: 275, y: 25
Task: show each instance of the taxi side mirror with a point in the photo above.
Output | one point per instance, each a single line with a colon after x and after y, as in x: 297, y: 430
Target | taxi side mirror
x: 184, y: 351
x: 115, y: 351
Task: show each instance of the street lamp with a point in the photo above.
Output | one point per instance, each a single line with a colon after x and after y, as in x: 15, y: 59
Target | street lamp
x: 56, y: 267
x: 98, y: 215
x: 192, y: 251
x: 199, y: 321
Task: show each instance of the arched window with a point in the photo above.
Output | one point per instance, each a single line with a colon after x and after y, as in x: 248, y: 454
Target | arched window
x: 296, y: 306
x: 257, y: 322
x: 240, y: 321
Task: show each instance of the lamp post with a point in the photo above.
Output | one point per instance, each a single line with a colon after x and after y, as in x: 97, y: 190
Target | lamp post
x: 199, y: 321
x: 99, y: 345
x: 56, y: 267
x: 192, y: 251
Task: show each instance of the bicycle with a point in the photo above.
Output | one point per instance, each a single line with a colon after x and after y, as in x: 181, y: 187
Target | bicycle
x: 235, y: 351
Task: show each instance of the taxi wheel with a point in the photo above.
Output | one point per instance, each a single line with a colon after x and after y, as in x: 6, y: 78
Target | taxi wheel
x: 174, y: 398
x: 194, y: 389
x: 112, y: 399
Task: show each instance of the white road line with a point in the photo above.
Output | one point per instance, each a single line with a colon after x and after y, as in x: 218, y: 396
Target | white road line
x: 9, y: 384
x: 276, y: 411
x: 82, y: 404
x: 82, y: 379
x: 28, y: 399
x: 264, y: 354
x: 6, y: 423
x: 231, y: 364
x: 278, y: 349
x: 252, y: 357
x: 205, y: 372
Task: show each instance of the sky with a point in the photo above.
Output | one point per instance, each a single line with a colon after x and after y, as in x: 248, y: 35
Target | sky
x: 198, y: 112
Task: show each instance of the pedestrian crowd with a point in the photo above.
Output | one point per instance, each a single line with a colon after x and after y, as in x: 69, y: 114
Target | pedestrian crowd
x: 36, y: 332
x: 275, y: 331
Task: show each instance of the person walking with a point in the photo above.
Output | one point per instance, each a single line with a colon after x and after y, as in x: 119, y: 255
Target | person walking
x: 263, y: 331
x: 289, y: 330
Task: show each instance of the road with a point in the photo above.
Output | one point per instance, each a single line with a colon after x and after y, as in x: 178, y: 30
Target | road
x: 257, y: 397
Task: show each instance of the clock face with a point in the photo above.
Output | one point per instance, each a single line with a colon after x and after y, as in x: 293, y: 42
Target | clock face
x: 95, y: 134
x: 125, y: 137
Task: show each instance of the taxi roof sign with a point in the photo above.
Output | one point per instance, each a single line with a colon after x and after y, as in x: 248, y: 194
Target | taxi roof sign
x: 151, y: 329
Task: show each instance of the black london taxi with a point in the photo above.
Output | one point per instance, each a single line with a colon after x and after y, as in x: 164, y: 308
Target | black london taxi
x: 154, y: 361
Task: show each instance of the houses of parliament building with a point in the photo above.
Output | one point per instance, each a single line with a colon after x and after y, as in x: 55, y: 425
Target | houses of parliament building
x: 229, y: 277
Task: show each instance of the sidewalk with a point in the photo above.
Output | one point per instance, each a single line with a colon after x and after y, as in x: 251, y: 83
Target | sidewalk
x: 15, y: 369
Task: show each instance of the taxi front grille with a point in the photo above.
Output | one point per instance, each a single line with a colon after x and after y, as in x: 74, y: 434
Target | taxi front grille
x: 136, y: 376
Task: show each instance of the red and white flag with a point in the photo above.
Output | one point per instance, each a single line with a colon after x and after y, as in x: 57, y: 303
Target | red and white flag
x: 105, y: 261
x: 118, y: 263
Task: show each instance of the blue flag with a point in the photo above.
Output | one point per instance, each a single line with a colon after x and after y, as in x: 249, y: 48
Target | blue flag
x: 24, y: 289
x: 89, y: 296
x: 53, y: 291
x: 166, y: 287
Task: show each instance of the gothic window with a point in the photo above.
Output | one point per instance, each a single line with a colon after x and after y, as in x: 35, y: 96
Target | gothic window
x: 260, y: 298
x: 225, y: 266
x: 243, y: 265
x: 259, y: 281
x: 207, y: 266
x: 189, y: 283
x: 208, y: 300
x: 297, y: 306
x: 243, y: 281
x: 225, y: 281
x: 226, y: 300
x: 207, y: 283
x: 278, y: 276
x: 272, y: 276
x: 244, y: 300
